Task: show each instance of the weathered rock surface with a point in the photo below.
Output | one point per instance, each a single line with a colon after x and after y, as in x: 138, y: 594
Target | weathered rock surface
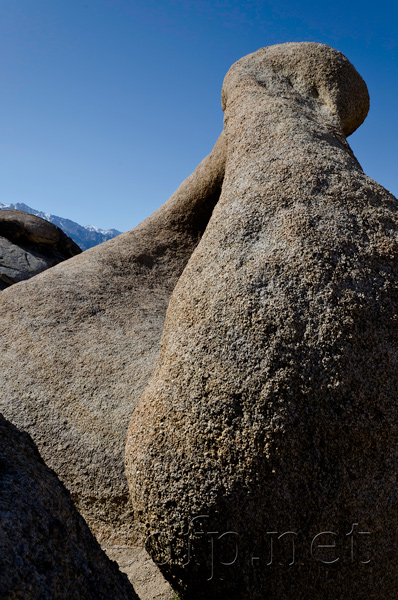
x: 30, y: 245
x: 272, y: 412
x: 78, y: 344
x: 47, y: 552
x: 146, y: 578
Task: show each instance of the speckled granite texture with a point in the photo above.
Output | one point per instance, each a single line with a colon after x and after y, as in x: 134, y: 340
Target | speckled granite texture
x: 79, y: 343
x: 273, y: 408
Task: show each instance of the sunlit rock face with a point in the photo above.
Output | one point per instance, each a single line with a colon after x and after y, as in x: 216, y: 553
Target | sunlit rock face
x: 79, y: 342
x: 271, y: 416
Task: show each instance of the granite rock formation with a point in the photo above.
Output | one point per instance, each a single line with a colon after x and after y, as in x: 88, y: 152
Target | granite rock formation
x: 79, y: 342
x: 271, y: 417
x: 30, y: 245
x: 47, y: 552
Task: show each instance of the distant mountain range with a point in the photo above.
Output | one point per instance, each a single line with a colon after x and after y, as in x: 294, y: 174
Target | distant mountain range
x: 85, y: 237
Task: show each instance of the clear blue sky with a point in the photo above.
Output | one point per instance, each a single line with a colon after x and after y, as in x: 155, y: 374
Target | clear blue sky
x: 107, y: 105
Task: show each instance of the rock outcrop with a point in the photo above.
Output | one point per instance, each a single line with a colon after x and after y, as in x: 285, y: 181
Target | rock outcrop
x: 261, y: 458
x: 30, y: 245
x: 47, y: 552
x: 85, y: 237
x: 79, y: 342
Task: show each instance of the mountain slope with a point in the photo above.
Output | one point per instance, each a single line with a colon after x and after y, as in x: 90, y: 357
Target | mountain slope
x: 85, y: 237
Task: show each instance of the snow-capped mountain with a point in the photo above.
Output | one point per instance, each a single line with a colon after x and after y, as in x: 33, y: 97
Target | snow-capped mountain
x: 85, y: 237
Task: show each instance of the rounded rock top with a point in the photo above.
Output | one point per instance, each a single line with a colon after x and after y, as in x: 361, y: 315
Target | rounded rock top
x: 321, y: 75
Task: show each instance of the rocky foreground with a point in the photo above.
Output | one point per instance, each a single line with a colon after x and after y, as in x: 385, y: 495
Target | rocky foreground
x: 47, y: 550
x: 260, y: 457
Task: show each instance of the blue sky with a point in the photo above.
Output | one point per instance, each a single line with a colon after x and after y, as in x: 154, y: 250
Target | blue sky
x: 108, y: 105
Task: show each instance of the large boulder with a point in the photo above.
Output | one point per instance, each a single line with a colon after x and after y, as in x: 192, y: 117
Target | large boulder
x: 79, y: 342
x: 47, y: 550
x: 261, y: 458
x: 30, y: 245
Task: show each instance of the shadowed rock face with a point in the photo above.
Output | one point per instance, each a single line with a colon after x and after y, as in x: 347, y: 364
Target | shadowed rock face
x: 273, y: 405
x: 30, y: 245
x: 47, y: 550
x: 78, y: 344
